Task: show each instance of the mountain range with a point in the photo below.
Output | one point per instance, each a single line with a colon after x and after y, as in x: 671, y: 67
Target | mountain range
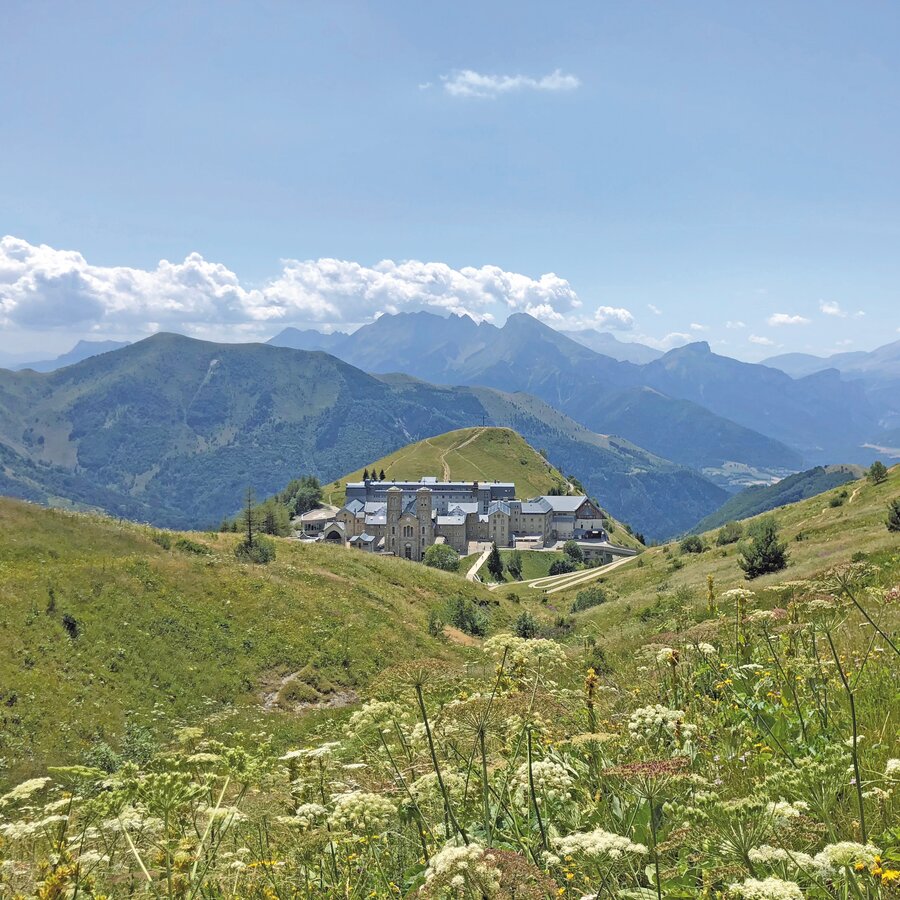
x: 81, y: 351
x: 171, y: 430
x: 689, y: 405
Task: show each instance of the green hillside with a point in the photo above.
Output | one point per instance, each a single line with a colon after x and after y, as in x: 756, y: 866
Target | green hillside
x: 467, y: 454
x: 171, y: 430
x: 758, y: 499
x: 101, y: 625
x: 475, y: 454
x: 664, y: 583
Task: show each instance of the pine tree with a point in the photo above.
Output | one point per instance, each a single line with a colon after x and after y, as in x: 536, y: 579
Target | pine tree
x: 764, y: 553
x: 495, y: 563
x: 893, y: 518
x: 381, y: 475
x: 514, y: 565
x: 878, y: 472
x: 249, y: 516
x: 366, y: 475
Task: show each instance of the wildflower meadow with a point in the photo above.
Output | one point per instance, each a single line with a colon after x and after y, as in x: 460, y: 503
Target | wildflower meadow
x: 753, y: 754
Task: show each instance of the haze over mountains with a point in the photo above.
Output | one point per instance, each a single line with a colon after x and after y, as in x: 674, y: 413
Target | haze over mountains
x: 689, y: 405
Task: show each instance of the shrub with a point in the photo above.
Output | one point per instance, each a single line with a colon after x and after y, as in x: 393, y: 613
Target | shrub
x: 589, y: 597
x: 893, y: 518
x: 573, y: 551
x: 186, y: 545
x: 70, y: 623
x: 562, y: 566
x: 729, y: 533
x: 763, y: 553
x: 261, y: 551
x: 435, y: 623
x: 463, y: 614
x: 442, y: 556
x: 691, y: 544
x: 163, y: 538
x: 525, y: 626
x: 836, y: 501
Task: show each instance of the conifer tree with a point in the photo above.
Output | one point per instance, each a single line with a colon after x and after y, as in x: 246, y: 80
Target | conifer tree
x: 893, y: 518
x: 495, y: 563
x: 763, y: 553
x: 514, y: 565
x: 381, y: 475
x: 366, y: 475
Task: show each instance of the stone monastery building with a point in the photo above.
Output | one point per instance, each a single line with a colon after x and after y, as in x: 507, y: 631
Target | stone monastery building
x: 404, y: 518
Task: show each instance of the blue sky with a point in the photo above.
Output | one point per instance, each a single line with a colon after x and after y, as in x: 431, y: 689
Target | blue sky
x: 679, y: 167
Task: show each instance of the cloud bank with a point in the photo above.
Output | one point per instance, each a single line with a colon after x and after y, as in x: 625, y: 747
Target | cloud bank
x: 42, y: 288
x: 786, y: 319
x: 468, y: 83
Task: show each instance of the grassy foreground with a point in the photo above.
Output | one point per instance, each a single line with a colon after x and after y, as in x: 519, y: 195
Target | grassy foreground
x: 739, y: 743
x: 101, y: 627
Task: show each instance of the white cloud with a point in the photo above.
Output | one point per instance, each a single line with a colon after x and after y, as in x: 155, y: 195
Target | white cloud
x: 763, y: 341
x: 43, y: 288
x: 787, y: 319
x: 615, y: 317
x: 654, y: 309
x: 845, y: 343
x: 672, y: 339
x: 696, y: 326
x: 832, y: 309
x: 733, y: 325
x: 468, y: 83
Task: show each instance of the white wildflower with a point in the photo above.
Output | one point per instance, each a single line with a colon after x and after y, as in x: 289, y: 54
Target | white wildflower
x: 598, y: 844
x: 892, y: 768
x: 767, y: 855
x: 552, y: 782
x: 845, y: 854
x: 428, y: 788
x: 528, y: 653
x: 305, y: 816
x: 658, y: 723
x: 376, y: 714
x: 667, y: 656
x: 24, y: 790
x: 768, y: 889
x: 782, y: 810
x: 359, y: 810
x: 706, y: 649
x: 466, y: 871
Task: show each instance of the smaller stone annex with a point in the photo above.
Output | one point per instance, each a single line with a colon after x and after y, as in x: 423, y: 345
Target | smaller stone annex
x: 404, y: 518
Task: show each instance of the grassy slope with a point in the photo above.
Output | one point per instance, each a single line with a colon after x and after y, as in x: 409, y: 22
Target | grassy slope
x: 535, y: 564
x: 756, y: 500
x: 471, y: 454
x: 831, y: 536
x: 483, y: 454
x: 172, y: 631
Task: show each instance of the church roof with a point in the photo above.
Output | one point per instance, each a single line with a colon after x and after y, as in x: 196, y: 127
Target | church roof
x: 536, y: 506
x: 564, y: 504
x: 451, y: 520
